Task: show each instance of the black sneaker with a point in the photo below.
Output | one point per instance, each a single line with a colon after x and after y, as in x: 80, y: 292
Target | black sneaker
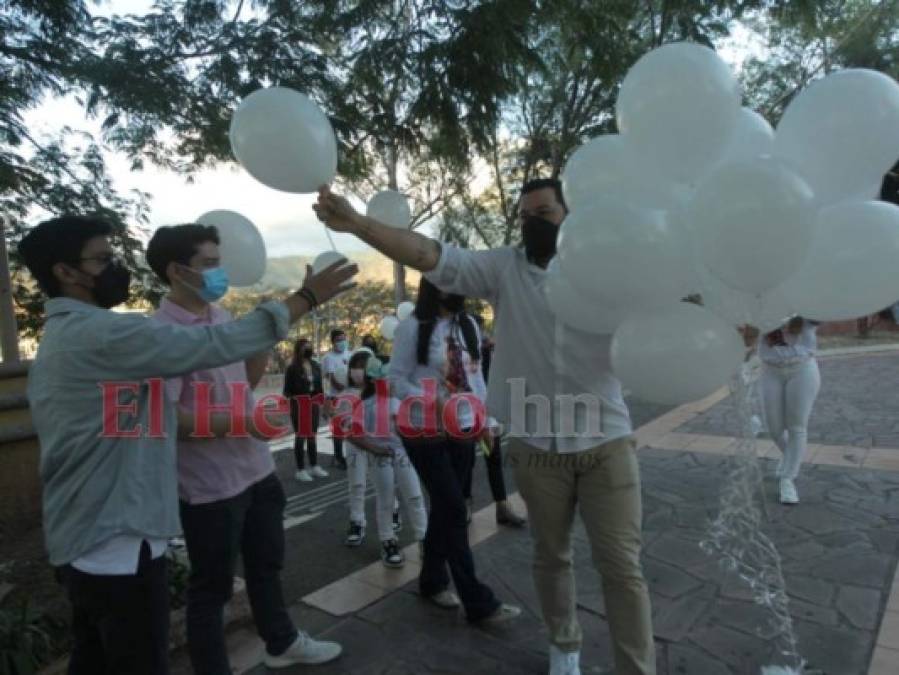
x: 355, y: 534
x: 391, y: 555
x: 397, y: 522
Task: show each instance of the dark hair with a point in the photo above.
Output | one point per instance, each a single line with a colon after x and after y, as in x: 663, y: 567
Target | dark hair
x: 337, y: 332
x: 360, y: 360
x: 370, y: 341
x: 59, y: 240
x: 298, y: 349
x: 542, y: 183
x: 177, y: 243
x: 427, y: 311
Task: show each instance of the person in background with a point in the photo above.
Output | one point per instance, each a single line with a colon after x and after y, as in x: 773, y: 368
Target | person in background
x: 440, y: 343
x: 790, y: 384
x: 370, y: 343
x: 393, y: 472
x: 493, y: 457
x: 334, y: 374
x: 303, y: 377
x: 231, y: 500
x: 110, y: 500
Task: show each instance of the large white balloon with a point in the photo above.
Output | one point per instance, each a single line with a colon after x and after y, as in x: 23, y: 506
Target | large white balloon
x: 388, y: 326
x: 753, y: 221
x: 404, y: 310
x: 842, y: 132
x: 624, y: 256
x: 604, y: 166
x: 676, y: 355
x: 766, y: 312
x: 852, y: 268
x: 240, y: 245
x: 326, y: 259
x: 576, y: 309
x: 391, y: 208
x: 284, y: 140
x: 753, y: 137
x: 677, y: 110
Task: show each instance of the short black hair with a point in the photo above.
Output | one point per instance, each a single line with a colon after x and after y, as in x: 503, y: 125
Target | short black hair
x: 177, y: 243
x: 541, y: 183
x: 58, y: 240
x: 336, y: 333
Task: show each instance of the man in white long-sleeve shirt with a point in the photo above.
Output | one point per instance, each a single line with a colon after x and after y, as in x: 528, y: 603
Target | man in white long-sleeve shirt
x: 569, y: 428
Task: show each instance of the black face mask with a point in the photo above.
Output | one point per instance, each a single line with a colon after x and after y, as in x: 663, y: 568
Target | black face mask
x: 453, y: 303
x: 539, y: 238
x: 111, y: 285
x: 307, y: 353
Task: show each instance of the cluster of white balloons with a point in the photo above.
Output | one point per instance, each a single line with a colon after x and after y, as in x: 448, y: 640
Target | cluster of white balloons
x: 698, y: 195
x: 390, y: 322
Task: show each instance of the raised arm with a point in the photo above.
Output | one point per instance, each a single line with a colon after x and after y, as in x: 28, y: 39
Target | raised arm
x: 403, y: 246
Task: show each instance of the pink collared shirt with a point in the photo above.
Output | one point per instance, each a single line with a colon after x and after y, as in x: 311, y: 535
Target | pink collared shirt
x: 210, y: 470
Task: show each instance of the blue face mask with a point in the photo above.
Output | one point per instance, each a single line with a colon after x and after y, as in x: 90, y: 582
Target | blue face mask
x: 215, y: 284
x: 341, y: 345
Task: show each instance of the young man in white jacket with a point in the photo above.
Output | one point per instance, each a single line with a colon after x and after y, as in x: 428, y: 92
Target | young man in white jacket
x: 553, y: 389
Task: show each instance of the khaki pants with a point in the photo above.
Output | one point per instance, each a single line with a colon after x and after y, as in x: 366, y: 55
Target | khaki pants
x: 604, y: 483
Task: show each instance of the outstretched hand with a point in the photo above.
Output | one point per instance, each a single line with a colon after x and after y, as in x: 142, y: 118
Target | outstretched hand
x: 334, y: 279
x: 335, y: 211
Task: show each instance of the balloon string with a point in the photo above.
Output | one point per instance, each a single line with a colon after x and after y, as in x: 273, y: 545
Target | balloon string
x: 330, y: 238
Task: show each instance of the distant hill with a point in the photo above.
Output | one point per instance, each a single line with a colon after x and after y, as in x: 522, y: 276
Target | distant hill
x: 288, y: 271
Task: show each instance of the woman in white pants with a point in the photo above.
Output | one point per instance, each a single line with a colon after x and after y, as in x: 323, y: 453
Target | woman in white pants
x: 789, y: 386
x: 376, y: 446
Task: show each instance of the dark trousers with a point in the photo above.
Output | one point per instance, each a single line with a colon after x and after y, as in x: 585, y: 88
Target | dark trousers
x: 309, y: 442
x: 250, y: 525
x: 494, y: 462
x: 120, y: 623
x: 441, y: 464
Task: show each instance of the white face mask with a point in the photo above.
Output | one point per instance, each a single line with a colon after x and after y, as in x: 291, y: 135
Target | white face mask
x: 357, y: 376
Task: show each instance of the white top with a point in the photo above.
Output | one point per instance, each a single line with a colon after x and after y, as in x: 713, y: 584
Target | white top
x: 406, y: 374
x: 118, y: 555
x: 334, y: 363
x: 799, y: 348
x: 550, y: 384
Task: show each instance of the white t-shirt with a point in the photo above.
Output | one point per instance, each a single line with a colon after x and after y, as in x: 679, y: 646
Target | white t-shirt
x: 334, y: 363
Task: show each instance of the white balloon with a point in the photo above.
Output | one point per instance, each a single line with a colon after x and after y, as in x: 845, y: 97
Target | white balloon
x: 240, y: 245
x: 578, y: 310
x: 404, y: 310
x: 852, y: 268
x: 739, y: 308
x: 283, y: 139
x: 388, y: 326
x: 753, y: 137
x: 391, y: 208
x: 326, y: 259
x: 842, y: 132
x: 624, y: 256
x: 753, y: 221
x: 676, y: 355
x: 677, y: 110
x: 604, y: 166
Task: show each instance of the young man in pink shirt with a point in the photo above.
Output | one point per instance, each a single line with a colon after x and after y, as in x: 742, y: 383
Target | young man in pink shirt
x: 231, y: 500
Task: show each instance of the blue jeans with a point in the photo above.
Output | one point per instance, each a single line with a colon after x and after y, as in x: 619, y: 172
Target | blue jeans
x: 442, y: 464
x: 250, y: 525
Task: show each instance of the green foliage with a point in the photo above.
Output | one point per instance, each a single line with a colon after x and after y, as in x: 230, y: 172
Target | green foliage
x: 25, y: 644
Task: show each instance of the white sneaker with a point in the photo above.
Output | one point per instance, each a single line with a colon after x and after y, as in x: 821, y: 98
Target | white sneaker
x: 318, y: 472
x: 303, y: 476
x: 502, y: 614
x: 564, y: 663
x: 304, y: 651
x: 788, y: 493
x: 446, y: 599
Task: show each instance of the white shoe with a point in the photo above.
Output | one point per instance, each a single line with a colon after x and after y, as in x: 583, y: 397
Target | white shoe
x: 304, y: 651
x: 446, y: 599
x: 502, y: 614
x: 303, y: 476
x: 788, y: 493
x: 564, y: 663
x: 318, y: 472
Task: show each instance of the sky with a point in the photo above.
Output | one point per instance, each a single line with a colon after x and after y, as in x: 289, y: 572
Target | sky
x: 286, y: 221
